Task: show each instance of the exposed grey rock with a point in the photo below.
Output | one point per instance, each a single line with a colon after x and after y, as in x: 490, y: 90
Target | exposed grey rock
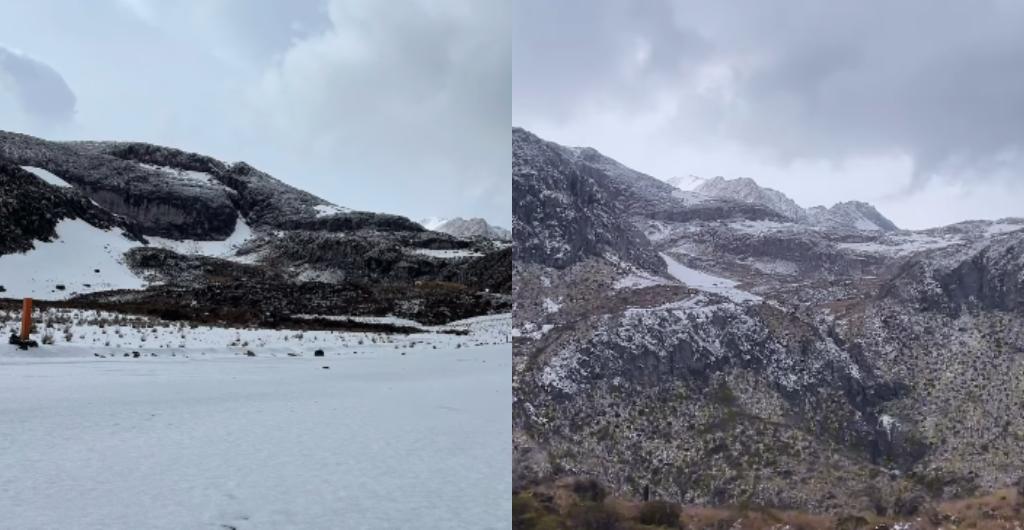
x: 356, y: 262
x: 30, y: 210
x: 865, y: 366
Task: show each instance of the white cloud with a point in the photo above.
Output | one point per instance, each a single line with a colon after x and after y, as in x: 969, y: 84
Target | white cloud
x: 32, y: 92
x: 826, y: 101
x: 418, y: 95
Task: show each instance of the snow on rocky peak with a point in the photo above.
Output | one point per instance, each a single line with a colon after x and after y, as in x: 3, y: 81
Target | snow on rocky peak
x: 473, y: 228
x: 848, y: 215
x: 687, y: 183
x: 431, y: 223
x: 746, y: 190
x: 855, y: 214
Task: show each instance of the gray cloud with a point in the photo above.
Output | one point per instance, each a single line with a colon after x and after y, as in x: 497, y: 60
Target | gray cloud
x: 418, y: 95
x: 400, y: 107
x: 769, y: 86
x: 245, y: 31
x: 39, y: 90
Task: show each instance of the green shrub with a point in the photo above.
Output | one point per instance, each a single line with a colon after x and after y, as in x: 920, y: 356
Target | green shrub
x: 526, y: 512
x: 594, y: 516
x: 589, y: 490
x: 660, y: 513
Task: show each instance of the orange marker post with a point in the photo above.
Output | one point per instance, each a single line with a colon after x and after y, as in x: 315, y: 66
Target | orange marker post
x: 26, y: 318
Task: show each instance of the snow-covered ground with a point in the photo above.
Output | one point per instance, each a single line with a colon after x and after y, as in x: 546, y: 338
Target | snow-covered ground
x: 324, y: 210
x: 399, y: 432
x: 85, y: 259
x: 47, y: 177
x: 902, y: 244
x: 226, y: 249
x: 707, y: 282
x: 432, y: 223
x: 82, y: 259
x: 196, y: 177
x: 446, y: 254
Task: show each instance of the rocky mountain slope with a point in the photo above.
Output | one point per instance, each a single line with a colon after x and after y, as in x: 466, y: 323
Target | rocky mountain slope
x: 87, y: 220
x: 714, y: 348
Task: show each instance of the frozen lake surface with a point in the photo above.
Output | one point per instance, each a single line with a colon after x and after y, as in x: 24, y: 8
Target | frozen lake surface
x: 220, y: 441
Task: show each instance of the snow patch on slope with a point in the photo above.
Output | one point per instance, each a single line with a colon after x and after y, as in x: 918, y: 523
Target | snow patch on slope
x: 901, y: 245
x: 324, y: 210
x: 225, y: 249
x: 638, y: 280
x: 687, y: 183
x: 50, y: 178
x: 71, y: 260
x: 432, y: 223
x: 446, y: 254
x: 198, y: 177
x: 707, y: 282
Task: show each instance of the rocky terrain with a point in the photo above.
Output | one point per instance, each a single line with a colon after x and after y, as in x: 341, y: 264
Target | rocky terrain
x: 585, y: 503
x: 109, y: 224
x: 724, y: 345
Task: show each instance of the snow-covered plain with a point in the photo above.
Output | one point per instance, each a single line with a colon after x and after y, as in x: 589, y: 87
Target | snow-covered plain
x: 400, y: 431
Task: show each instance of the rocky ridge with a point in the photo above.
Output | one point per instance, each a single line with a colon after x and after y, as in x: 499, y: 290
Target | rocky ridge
x: 473, y: 228
x: 198, y: 224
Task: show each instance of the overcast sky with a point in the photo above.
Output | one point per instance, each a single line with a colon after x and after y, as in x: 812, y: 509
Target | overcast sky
x: 915, y: 105
x: 396, y: 106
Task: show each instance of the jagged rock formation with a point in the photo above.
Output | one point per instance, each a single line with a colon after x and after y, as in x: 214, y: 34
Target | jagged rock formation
x: 30, y: 209
x: 746, y: 190
x: 200, y: 224
x: 807, y: 362
x: 851, y: 215
x: 564, y: 212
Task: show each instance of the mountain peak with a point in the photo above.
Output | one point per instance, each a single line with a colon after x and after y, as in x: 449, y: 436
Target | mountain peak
x: 856, y: 214
x: 472, y: 228
x: 747, y: 190
x: 687, y: 183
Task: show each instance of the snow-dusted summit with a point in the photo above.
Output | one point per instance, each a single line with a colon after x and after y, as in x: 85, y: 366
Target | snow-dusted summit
x: 746, y: 190
x: 473, y: 228
x: 687, y: 183
x: 851, y: 215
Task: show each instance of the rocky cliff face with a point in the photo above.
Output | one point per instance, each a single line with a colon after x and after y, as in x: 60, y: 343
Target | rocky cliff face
x: 240, y: 223
x: 30, y: 209
x: 771, y: 358
x: 565, y: 211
